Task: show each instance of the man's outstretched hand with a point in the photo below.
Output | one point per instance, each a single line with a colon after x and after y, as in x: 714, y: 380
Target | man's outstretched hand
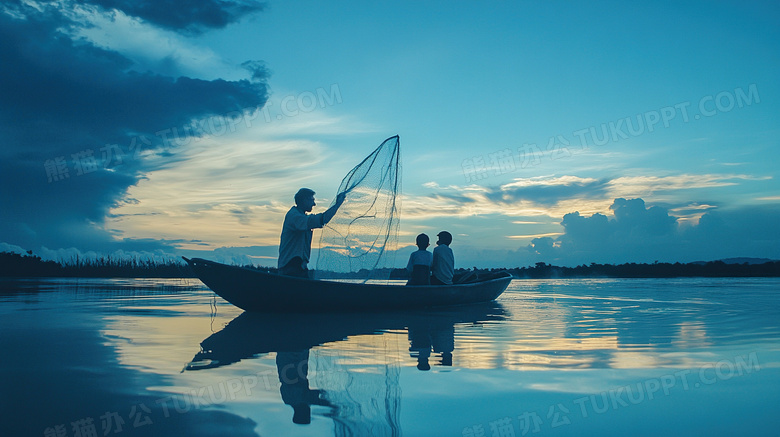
x: 327, y: 215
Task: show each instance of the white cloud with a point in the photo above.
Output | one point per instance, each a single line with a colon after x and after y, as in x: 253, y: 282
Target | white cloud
x: 637, y: 186
x: 546, y: 181
x: 72, y: 255
x: 532, y: 236
x: 149, y: 47
x: 219, y: 191
x: 236, y: 187
x: 550, y: 196
x: 554, y: 196
x: 5, y: 247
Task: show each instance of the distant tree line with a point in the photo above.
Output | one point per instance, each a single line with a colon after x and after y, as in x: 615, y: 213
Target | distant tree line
x: 32, y: 266
x: 712, y: 269
x: 29, y: 265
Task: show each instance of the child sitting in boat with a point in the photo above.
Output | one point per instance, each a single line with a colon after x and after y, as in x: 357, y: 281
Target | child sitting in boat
x: 419, y: 264
x: 443, y: 264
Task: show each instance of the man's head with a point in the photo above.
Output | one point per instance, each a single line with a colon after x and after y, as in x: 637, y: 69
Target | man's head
x: 444, y: 238
x: 423, y: 241
x: 304, y: 199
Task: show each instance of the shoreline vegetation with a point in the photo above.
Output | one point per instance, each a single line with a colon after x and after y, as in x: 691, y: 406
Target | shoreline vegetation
x: 14, y: 265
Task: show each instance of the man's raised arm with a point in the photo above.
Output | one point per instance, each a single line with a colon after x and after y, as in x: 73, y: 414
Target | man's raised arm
x: 328, y: 215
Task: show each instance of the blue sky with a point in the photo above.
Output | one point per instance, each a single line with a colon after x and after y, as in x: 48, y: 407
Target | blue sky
x: 558, y: 132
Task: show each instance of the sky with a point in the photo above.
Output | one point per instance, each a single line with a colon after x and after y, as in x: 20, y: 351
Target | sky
x: 558, y: 132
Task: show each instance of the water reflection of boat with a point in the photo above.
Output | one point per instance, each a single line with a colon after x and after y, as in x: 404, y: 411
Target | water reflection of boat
x: 253, y: 290
x: 363, y: 397
x: 251, y: 334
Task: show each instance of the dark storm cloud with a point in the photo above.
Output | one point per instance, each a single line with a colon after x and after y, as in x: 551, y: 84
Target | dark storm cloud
x: 637, y: 233
x: 191, y: 16
x: 633, y: 217
x: 745, y: 232
x: 257, y: 69
x: 63, y: 100
x: 641, y: 234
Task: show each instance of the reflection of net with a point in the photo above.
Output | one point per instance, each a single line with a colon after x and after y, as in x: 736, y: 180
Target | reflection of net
x: 365, y: 391
x: 365, y: 229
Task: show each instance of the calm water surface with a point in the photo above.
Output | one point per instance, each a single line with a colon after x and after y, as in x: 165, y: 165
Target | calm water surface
x: 551, y: 357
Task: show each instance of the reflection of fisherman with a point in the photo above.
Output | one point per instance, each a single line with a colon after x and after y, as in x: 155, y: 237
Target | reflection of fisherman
x: 295, y: 242
x: 293, y: 368
x: 424, y: 337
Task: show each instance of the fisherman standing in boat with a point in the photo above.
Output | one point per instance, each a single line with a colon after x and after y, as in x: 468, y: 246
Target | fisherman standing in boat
x: 295, y: 242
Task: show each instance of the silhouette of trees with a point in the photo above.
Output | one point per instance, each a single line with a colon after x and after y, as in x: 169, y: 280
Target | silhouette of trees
x: 29, y: 265
x: 16, y: 265
x: 712, y: 269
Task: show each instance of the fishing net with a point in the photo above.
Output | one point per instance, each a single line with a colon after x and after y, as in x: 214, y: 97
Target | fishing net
x: 365, y: 393
x: 361, y: 239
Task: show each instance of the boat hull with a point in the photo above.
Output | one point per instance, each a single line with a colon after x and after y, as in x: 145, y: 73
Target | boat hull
x: 254, y: 290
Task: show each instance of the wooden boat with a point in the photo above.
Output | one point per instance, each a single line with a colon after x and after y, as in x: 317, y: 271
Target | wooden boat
x: 253, y: 290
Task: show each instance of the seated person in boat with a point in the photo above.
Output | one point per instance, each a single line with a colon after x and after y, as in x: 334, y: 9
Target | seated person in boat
x: 295, y: 242
x: 443, y: 265
x: 419, y: 264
